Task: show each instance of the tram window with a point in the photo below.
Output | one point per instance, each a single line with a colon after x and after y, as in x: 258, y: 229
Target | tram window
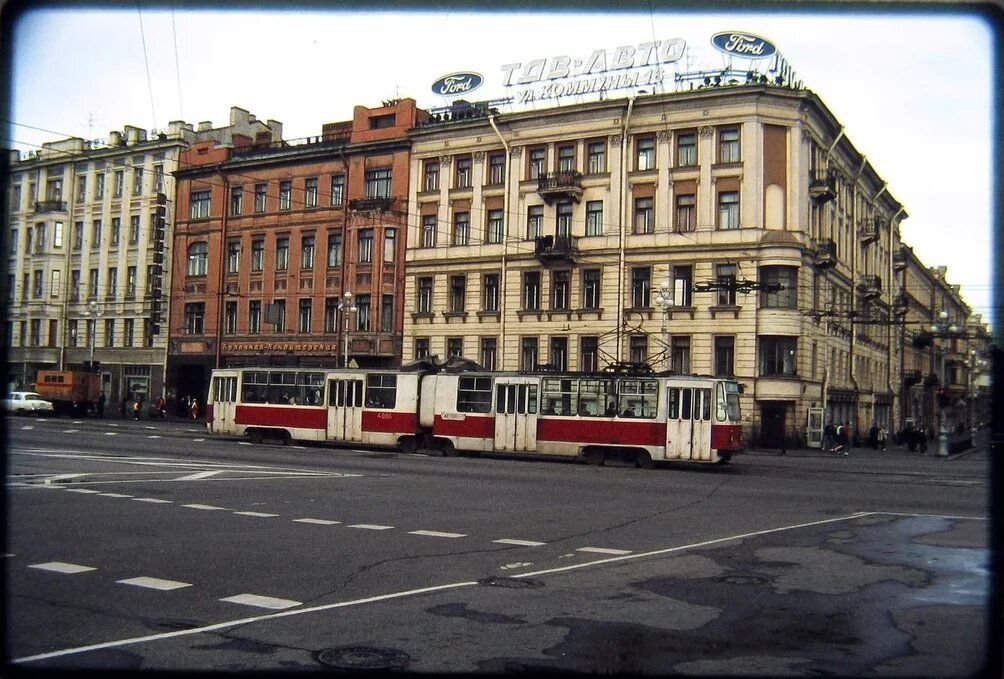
x: 474, y: 395
x: 686, y: 404
x: 255, y: 387
x: 381, y: 391
x: 531, y: 399
x: 720, y: 413
x: 674, y: 403
x: 705, y: 404
x: 596, y: 398
x: 638, y: 398
x: 281, y: 387
x: 336, y: 392
x: 732, y: 390
x: 308, y: 388
x: 559, y: 396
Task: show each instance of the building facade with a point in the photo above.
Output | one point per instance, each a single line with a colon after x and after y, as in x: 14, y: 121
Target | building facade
x: 727, y: 231
x: 291, y: 252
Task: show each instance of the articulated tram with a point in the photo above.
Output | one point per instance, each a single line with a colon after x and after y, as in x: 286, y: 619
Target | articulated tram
x: 593, y: 417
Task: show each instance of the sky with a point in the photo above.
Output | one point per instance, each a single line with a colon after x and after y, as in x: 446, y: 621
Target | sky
x: 913, y: 90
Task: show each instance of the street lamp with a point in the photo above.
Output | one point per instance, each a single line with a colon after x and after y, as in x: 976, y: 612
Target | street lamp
x: 941, y: 329
x: 92, y: 313
x: 665, y: 301
x: 344, y: 307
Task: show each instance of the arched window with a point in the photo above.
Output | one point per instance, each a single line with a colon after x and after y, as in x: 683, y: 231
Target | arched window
x: 198, y: 259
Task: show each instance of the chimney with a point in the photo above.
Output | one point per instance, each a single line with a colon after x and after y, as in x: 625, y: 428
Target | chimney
x: 205, y: 126
x: 115, y: 138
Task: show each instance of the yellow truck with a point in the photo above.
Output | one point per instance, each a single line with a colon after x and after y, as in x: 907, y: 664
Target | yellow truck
x: 72, y: 393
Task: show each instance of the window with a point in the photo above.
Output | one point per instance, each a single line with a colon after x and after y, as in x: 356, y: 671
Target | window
x: 153, y: 277
x: 307, y: 252
x: 363, y: 313
x: 680, y: 354
x: 726, y: 276
x: 389, y: 245
x: 424, y: 295
x: 534, y: 221
x: 134, y: 229
x: 57, y: 234
x: 54, y: 279
x: 81, y: 190
x: 99, y: 186
x: 285, y: 194
x: 387, y: 313
x: 784, y: 297
x: 137, y: 181
x: 495, y: 226
x: 282, y: 253
x: 254, y: 317
x: 92, y: 284
x: 462, y: 228
x: 488, y: 354
x: 113, y: 281
x: 531, y: 290
x: 686, y: 213
x: 591, y: 289
x: 310, y: 192
x: 644, y: 220
x: 119, y: 181
x: 230, y: 318
x: 200, y: 204
x: 563, y: 225
x: 589, y: 354
x: 728, y: 209
x: 258, y: 254
x: 277, y: 315
x: 158, y: 178
x: 116, y: 231
x: 430, y: 175
x: 306, y: 309
x: 725, y: 356
x: 131, y: 279
x: 74, y: 330
x: 334, y: 249
x: 337, y: 189
x: 365, y: 246
x: 641, y: 284
x: 566, y: 158
x: 454, y: 346
x: 496, y: 168
x: 236, y: 200
x: 95, y: 234
x: 260, y: 197
x: 198, y: 259
x: 233, y: 256
x: 559, y: 353
x: 429, y: 231
x: 474, y: 394
x: 490, y: 292
x: 195, y: 318
x: 110, y: 332
x: 528, y: 353
x: 378, y: 183
x: 36, y: 288
x: 78, y: 237
x: 458, y: 293
x: 728, y: 145
x: 638, y: 348
x: 597, y: 151
x: 686, y: 149
x: 645, y: 148
x: 594, y: 218
x: 331, y: 306
x: 421, y: 347
x: 683, y: 286
x: 129, y: 332
x: 464, y: 168
x: 561, y: 283
x: 537, y: 159
x: 777, y: 356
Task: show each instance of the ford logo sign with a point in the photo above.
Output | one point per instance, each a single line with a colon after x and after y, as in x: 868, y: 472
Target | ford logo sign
x: 457, y: 83
x: 743, y: 45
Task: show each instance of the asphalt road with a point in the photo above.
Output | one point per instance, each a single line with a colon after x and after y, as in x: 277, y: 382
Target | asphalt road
x: 154, y: 545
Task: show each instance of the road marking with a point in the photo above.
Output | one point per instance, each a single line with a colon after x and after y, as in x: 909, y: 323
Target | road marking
x: 81, y: 490
x: 436, y: 534
x: 27, y: 427
x: 154, y: 583
x: 111, y: 433
x: 370, y: 526
x: 199, y: 440
x: 206, y: 507
x: 520, y: 543
x: 261, y: 514
x: 115, y: 495
x: 152, y: 499
x: 244, y: 443
x: 61, y: 567
x: 153, y: 436
x: 78, y: 422
x: 149, y: 427
x: 60, y: 477
x: 262, y: 601
x: 319, y: 522
x: 603, y: 550
x: 199, y: 475
x: 70, y: 431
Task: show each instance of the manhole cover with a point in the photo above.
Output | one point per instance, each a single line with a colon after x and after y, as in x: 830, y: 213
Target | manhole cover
x: 511, y: 583
x: 741, y: 579
x: 364, y: 658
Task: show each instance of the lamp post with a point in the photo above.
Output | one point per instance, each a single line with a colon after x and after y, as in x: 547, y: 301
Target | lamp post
x: 941, y: 329
x: 345, y: 306
x: 665, y: 301
x: 92, y: 314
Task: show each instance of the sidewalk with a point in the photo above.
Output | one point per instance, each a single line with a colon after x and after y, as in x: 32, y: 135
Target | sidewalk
x: 868, y: 452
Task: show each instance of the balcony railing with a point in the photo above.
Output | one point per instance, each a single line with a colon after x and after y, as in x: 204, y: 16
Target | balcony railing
x: 899, y: 259
x: 869, y: 230
x: 554, y: 248
x: 50, y: 206
x: 822, y: 185
x: 375, y: 204
x: 870, y: 286
x: 560, y: 185
x: 826, y: 253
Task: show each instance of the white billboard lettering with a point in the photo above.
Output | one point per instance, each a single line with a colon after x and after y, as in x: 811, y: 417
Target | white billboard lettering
x: 672, y: 50
x: 623, y: 58
x: 559, y: 68
x: 532, y: 72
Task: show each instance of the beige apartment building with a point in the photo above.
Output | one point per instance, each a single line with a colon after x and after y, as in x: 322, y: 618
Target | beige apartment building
x: 731, y: 230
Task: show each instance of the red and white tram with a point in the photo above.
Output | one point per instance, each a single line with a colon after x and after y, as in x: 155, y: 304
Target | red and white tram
x: 640, y: 418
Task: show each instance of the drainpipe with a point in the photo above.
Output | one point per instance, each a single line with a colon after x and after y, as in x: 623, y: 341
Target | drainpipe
x: 854, y: 269
x: 505, y: 240
x: 64, y: 311
x: 888, y: 272
x: 221, y: 285
x: 625, y: 217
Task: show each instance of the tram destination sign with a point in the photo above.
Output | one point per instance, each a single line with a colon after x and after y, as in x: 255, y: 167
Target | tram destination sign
x: 599, y: 71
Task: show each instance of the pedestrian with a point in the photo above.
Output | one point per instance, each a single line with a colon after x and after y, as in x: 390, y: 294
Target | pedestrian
x: 873, y: 436
x: 848, y: 438
x: 829, y: 434
x: 101, y: 405
x: 881, y: 437
x: 195, y: 408
x: 162, y: 408
x: 838, y: 438
x: 137, y: 407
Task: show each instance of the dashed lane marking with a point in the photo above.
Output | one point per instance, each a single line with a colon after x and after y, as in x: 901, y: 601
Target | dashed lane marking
x: 262, y: 601
x: 154, y: 583
x: 370, y: 526
x: 199, y: 475
x: 82, y: 490
x: 519, y: 543
x: 319, y: 522
x: 209, y: 508
x: 70, y: 431
x: 27, y: 427
x: 62, y: 567
x: 436, y: 534
x: 263, y: 515
x: 152, y: 499
x: 111, y: 433
x: 115, y: 495
x: 153, y: 436
x: 603, y: 550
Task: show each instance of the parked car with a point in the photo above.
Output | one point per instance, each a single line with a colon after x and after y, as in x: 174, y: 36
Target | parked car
x: 27, y: 403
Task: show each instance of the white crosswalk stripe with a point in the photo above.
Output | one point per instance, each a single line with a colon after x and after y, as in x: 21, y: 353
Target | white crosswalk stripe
x: 259, y: 601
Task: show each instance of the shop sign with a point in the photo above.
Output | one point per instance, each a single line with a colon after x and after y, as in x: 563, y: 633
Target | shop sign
x: 744, y: 45
x: 457, y: 83
x: 291, y: 347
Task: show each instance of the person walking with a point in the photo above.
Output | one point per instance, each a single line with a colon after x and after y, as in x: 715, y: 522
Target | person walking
x: 848, y: 438
x: 881, y: 437
x: 101, y: 405
x: 195, y: 408
x: 162, y: 408
x: 829, y: 437
x: 137, y: 407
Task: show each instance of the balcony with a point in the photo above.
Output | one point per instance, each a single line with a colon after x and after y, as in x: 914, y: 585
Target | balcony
x: 869, y: 230
x: 899, y: 259
x: 870, y: 286
x: 900, y: 304
x: 911, y: 377
x: 556, y: 249
x: 560, y: 185
x: 822, y: 186
x: 826, y: 254
x: 375, y: 204
x: 50, y: 206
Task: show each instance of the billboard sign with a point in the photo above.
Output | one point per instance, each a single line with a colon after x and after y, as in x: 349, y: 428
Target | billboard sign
x: 746, y: 45
x: 456, y: 84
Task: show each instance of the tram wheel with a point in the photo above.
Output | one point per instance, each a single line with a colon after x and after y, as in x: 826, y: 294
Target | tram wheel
x: 407, y: 445
x: 593, y: 457
x: 645, y: 460
x: 447, y: 449
x: 255, y: 436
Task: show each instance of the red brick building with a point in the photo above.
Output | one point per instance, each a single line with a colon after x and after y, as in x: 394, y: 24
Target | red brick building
x: 270, y: 236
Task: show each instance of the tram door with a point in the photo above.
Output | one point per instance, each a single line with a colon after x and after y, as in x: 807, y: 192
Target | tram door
x: 345, y: 409
x: 224, y: 404
x: 688, y: 425
x: 516, y: 414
